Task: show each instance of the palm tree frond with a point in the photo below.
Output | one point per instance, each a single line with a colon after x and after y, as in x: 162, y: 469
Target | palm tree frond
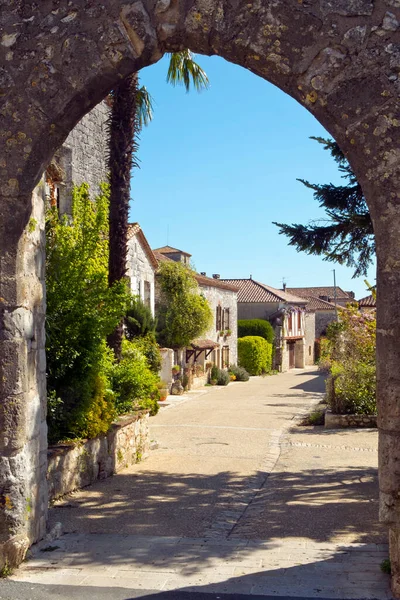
x: 144, y: 106
x: 183, y: 70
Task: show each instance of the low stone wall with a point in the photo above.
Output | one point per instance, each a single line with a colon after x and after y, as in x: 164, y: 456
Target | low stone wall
x: 76, y: 465
x: 340, y: 421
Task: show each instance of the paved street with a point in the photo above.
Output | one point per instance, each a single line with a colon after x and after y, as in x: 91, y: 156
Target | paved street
x: 237, y: 499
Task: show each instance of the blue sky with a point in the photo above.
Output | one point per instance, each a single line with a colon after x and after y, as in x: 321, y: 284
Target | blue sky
x: 218, y: 167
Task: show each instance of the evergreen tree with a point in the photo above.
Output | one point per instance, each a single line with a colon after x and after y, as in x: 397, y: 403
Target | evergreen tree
x: 346, y: 236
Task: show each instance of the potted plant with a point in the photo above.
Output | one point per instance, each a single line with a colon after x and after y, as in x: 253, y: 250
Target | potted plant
x: 163, y: 390
x: 176, y: 369
x: 228, y: 332
x: 221, y: 333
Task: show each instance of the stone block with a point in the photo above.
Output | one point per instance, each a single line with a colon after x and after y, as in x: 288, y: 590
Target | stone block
x: 333, y: 421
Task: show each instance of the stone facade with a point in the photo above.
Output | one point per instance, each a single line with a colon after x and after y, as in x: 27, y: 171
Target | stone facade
x: 141, y: 266
x: 226, y: 300
x: 83, y: 156
x: 76, y: 465
x: 310, y: 336
x: 322, y: 320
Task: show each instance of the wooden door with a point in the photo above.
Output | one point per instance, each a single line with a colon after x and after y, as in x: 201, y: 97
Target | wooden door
x: 291, y: 355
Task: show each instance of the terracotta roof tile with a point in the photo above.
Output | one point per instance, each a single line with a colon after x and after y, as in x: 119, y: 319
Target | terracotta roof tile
x: 204, y: 344
x: 368, y: 301
x: 170, y: 250
x: 328, y: 291
x: 254, y: 291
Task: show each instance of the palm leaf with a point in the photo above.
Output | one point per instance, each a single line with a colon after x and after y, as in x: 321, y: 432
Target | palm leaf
x: 183, y: 70
x: 144, y: 106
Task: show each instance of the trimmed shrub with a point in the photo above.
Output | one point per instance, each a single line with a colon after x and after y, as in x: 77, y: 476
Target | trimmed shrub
x: 255, y: 354
x: 256, y: 327
x: 239, y: 372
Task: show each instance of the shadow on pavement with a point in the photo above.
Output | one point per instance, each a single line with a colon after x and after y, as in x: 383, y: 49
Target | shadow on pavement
x: 348, y: 573
x: 318, y: 504
x: 317, y: 384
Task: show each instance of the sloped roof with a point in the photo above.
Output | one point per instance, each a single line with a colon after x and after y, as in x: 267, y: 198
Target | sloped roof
x: 204, y: 344
x: 319, y: 291
x: 170, y: 250
x: 254, y: 291
x: 201, y: 279
x: 315, y: 303
x: 135, y: 229
x: 368, y: 301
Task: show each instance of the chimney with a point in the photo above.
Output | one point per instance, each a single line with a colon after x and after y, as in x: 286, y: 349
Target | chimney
x: 203, y: 273
x: 216, y: 275
x: 284, y: 286
x: 251, y: 276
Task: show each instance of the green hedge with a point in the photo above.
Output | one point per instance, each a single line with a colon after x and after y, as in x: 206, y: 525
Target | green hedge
x: 255, y: 354
x: 257, y: 327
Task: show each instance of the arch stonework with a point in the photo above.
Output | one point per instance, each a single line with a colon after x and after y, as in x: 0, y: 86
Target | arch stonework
x: 58, y: 58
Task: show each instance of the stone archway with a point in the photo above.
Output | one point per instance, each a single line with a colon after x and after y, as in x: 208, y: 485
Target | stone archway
x: 339, y: 58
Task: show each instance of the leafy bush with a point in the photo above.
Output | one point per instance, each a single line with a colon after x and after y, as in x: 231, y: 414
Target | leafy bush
x: 349, y: 354
x: 257, y: 327
x: 134, y: 385
x: 183, y: 314
x: 214, y: 372
x: 220, y: 376
x: 81, y: 311
x: 223, y: 377
x: 239, y: 372
x: 352, y: 389
x: 139, y: 320
x: 255, y: 354
x: 148, y: 346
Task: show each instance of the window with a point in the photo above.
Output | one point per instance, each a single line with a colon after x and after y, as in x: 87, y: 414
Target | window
x: 225, y: 318
x: 290, y: 322
x: 225, y: 356
x: 147, y: 293
x: 218, y: 325
x: 299, y: 320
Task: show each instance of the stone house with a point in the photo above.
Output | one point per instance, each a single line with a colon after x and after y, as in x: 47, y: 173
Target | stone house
x: 219, y: 343
x: 81, y: 159
x: 294, y: 331
x: 141, y: 266
x: 321, y: 301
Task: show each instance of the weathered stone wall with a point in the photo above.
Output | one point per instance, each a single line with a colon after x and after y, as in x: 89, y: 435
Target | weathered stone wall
x: 342, y: 421
x: 76, y: 465
x: 322, y: 320
x: 167, y: 362
x: 226, y: 299
x: 23, y: 439
x: 338, y: 58
x: 309, y: 320
x: 83, y: 156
